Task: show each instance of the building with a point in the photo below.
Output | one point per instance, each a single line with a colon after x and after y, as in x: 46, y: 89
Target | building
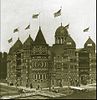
x: 3, y: 65
x: 35, y: 64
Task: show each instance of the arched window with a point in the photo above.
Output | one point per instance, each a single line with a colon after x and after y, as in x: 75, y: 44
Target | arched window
x: 62, y: 40
x: 40, y: 76
x: 35, y: 76
x: 43, y: 76
x: 57, y: 40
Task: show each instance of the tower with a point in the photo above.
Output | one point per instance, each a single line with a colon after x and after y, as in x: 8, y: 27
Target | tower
x: 60, y: 35
x: 14, y: 63
x: 90, y: 46
x: 26, y: 58
x: 40, y: 62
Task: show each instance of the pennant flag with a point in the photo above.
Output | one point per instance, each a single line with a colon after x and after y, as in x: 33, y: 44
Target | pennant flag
x: 35, y: 15
x: 28, y: 27
x: 10, y: 40
x: 15, y: 30
x: 67, y: 26
x: 58, y: 13
x: 86, y: 30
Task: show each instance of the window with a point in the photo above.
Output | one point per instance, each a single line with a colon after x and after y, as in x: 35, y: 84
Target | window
x: 65, y: 67
x: 18, y: 55
x: 58, y: 40
x: 30, y: 60
x: 18, y: 73
x: 18, y: 62
x: 45, y: 64
x: 46, y: 76
x: 30, y: 67
x: 68, y: 43
x: 61, y: 40
x: 24, y: 67
x: 35, y: 76
x: 75, y: 67
x: 71, y: 66
x: 43, y: 76
x: 40, y: 76
x: 89, y: 44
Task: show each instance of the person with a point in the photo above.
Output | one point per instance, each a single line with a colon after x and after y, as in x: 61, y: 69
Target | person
x: 26, y: 85
x: 31, y: 85
x: 38, y: 86
x: 60, y: 84
x: 91, y: 81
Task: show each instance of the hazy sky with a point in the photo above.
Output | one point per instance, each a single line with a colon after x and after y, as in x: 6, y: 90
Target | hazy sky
x: 80, y: 14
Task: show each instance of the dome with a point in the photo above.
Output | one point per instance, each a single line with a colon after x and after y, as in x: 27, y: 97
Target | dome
x: 17, y: 46
x: 61, y: 31
x: 70, y: 43
x: 28, y: 43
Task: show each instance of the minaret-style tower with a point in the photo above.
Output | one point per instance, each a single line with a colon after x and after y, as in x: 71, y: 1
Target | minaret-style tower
x: 90, y: 46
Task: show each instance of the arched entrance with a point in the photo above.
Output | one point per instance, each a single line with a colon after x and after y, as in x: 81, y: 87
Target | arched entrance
x: 84, y: 78
x: 59, y: 82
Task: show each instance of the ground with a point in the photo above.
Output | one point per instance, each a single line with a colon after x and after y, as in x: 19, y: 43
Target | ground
x: 6, y: 91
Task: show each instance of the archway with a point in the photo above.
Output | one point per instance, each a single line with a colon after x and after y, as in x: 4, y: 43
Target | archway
x: 84, y: 78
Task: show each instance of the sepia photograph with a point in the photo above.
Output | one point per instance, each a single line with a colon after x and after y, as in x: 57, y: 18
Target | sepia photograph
x: 48, y: 49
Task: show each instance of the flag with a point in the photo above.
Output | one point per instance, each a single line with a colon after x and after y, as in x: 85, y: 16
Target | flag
x: 10, y: 40
x: 67, y: 26
x: 58, y: 13
x: 28, y: 27
x: 15, y: 30
x: 85, y: 30
x: 35, y: 15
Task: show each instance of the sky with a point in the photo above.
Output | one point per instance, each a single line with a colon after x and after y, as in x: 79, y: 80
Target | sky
x: 79, y: 14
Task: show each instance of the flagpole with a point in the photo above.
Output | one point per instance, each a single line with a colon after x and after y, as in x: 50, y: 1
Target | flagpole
x: 39, y: 20
x: 28, y: 27
x: 61, y: 15
x: 18, y: 32
x: 12, y: 42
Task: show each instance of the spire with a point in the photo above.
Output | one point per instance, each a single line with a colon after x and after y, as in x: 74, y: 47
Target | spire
x: 17, y: 46
x: 89, y: 41
x: 40, y: 38
x: 28, y: 43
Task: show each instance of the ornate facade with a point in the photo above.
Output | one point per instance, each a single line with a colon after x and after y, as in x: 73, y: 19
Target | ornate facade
x: 37, y: 65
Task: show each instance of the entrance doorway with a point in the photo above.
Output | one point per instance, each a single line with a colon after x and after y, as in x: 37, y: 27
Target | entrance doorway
x: 84, y: 79
x: 59, y: 82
